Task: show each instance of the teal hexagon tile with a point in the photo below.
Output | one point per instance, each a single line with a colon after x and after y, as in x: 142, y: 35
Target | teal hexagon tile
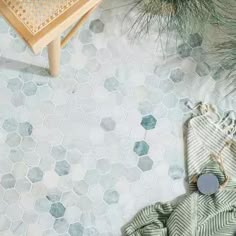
x: 81, y: 187
x: 108, y: 124
x: 145, y: 163
x: 85, y: 36
x: 10, y: 125
x: 218, y: 73
x: 4, y: 223
x: 203, y: 69
x: 35, y: 174
x: 62, y: 168
x: 111, y: 84
x: 29, y: 88
x: 57, y: 210
x: 175, y: 172
x: 195, y: 40
x: 15, y: 84
x: 18, y: 228
x: 42, y: 205
x: 111, y: 197
x: 198, y: 54
x: 61, y: 226
x: 184, y: 50
x: 141, y: 148
x: 145, y: 107
x: 177, y: 75
x: 11, y: 196
x: 13, y: 139
x: 149, y: 122
x: 18, y: 99
x: 58, y: 152
x: 23, y: 185
x: 54, y: 195
x: 25, y: 129
x: 28, y: 144
x: 8, y: 181
x: 96, y: 26
x: 76, y: 229
x: 16, y: 155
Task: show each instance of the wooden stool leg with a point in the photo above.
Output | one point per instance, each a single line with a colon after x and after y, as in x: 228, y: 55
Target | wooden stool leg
x: 54, y: 56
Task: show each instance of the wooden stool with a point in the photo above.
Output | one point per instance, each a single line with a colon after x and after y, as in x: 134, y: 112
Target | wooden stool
x: 41, y: 22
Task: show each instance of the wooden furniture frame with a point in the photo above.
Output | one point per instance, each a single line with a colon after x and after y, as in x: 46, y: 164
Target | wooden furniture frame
x: 50, y: 35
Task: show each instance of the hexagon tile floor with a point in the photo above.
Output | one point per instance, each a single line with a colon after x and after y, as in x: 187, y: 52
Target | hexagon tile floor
x: 81, y: 154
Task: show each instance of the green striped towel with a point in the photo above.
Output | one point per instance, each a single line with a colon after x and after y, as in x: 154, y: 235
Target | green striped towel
x: 197, y: 214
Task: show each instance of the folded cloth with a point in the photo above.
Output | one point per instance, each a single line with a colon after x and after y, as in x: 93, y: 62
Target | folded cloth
x: 197, y: 214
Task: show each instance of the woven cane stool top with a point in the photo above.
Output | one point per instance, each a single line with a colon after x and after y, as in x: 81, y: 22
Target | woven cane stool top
x: 37, y: 14
x: 38, y: 22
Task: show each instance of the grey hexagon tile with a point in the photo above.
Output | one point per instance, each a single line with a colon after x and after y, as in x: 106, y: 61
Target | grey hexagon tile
x: 25, y: 129
x: 141, y: 148
x: 203, y: 69
x: 175, y: 171
x: 18, y: 228
x: 28, y: 144
x: 91, y: 177
x: 145, y: 107
x: 8, y: 181
x: 11, y: 196
x: 4, y: 223
x: 76, y: 229
x: 30, y: 217
x: 166, y: 86
x: 23, y: 185
x: 54, y: 195
x: 149, y: 122
x: 111, y: 84
x: 184, y: 50
x: 29, y: 89
x: 96, y: 26
x: 89, y: 50
x: 108, y: 124
x: 145, y: 163
x: 85, y: 36
x: 57, y: 210
x: 13, y: 139
x: 61, y: 225
x: 14, y: 212
x: 195, y: 40
x: 10, y: 125
x: 170, y: 101
x: 177, y: 75
x: 62, y: 168
x: 42, y: 205
x: 111, y: 197
x: 81, y: 187
x: 103, y: 166
x: 133, y: 174
x: 198, y: 54
x: 58, y: 152
x: 18, y: 99
x: 15, y: 84
x: 35, y: 174
x: 16, y: 155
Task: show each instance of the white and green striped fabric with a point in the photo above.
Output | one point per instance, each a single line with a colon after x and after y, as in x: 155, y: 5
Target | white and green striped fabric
x: 197, y: 214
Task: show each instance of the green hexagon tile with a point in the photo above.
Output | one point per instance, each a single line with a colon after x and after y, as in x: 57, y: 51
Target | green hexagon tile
x: 79, y: 153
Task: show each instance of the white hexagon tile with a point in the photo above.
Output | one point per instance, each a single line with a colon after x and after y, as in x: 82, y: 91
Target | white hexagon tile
x: 81, y: 154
